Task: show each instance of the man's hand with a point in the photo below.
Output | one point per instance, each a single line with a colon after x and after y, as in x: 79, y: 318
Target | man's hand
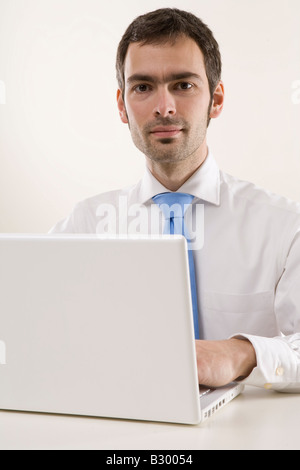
x: 222, y: 362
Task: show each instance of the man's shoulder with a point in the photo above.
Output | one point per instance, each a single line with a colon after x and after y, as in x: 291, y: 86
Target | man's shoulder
x: 253, y: 195
x: 109, y: 197
x: 83, y: 218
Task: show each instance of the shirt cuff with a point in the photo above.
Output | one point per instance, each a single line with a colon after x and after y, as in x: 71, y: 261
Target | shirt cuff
x: 278, y: 363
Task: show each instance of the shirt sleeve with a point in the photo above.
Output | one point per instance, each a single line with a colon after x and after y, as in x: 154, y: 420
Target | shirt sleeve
x: 278, y: 363
x: 74, y: 223
x: 63, y: 226
x: 278, y: 358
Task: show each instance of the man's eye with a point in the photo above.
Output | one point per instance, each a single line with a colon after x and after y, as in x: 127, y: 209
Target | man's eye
x: 141, y: 88
x: 184, y: 86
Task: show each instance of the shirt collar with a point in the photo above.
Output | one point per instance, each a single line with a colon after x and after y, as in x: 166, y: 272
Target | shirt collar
x: 204, y: 184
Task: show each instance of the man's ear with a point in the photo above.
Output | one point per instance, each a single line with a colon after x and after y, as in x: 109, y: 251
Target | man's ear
x: 121, y: 107
x: 218, y: 101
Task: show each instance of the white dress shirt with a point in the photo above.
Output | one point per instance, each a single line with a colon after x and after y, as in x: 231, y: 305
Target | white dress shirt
x: 247, y: 260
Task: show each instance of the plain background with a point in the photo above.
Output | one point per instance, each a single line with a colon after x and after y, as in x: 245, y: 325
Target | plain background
x: 61, y: 139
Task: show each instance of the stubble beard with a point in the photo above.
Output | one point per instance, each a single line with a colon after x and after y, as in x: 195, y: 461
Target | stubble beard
x: 169, y: 150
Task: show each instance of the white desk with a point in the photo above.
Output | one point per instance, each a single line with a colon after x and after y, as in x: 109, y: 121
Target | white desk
x: 258, y: 419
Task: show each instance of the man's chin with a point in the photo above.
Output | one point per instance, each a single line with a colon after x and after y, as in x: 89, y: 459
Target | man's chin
x: 165, y: 158
x: 166, y: 141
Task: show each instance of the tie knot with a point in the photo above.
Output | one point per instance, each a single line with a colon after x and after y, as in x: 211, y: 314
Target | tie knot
x: 173, y: 205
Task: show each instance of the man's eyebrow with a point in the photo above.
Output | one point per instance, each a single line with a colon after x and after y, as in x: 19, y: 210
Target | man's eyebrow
x: 137, y: 77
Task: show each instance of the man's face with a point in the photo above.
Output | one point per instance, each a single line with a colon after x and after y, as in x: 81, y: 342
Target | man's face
x: 166, y: 99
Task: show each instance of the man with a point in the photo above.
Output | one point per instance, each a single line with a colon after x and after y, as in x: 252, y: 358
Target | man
x: 248, y: 269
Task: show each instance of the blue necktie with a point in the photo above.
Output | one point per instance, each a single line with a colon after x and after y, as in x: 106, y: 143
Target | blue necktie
x: 173, y: 206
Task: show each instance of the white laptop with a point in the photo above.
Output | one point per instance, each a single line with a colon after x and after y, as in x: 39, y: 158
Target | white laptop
x: 100, y: 327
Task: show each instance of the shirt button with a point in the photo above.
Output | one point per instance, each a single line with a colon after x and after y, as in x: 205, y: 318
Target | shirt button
x: 268, y: 386
x: 279, y: 371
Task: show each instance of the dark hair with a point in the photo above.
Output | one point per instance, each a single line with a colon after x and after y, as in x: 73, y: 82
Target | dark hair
x: 167, y: 24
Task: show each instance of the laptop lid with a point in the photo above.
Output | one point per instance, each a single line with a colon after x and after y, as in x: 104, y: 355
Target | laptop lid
x: 98, y: 326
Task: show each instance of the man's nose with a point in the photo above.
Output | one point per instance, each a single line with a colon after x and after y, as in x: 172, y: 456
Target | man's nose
x: 165, y: 104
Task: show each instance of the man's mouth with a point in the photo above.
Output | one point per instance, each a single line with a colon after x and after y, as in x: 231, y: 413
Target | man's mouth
x: 166, y: 131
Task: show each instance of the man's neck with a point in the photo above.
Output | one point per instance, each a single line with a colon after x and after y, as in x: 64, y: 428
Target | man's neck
x: 174, y: 175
